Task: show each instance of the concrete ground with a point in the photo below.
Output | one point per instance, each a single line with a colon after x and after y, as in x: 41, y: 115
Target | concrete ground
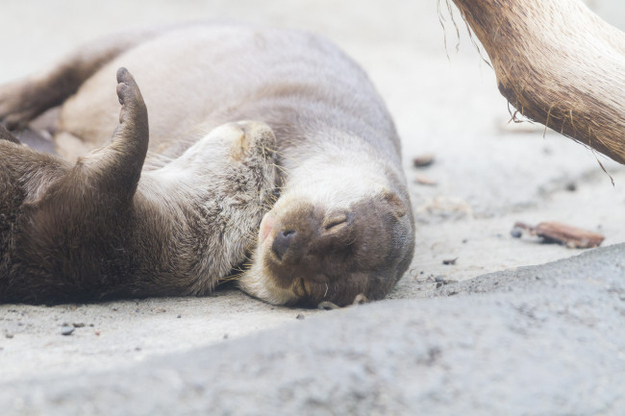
x: 211, y: 353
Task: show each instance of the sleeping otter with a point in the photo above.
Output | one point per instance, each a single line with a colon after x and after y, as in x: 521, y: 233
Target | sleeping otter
x: 313, y: 189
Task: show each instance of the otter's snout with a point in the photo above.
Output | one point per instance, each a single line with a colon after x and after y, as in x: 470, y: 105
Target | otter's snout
x: 281, y: 243
x: 304, y: 233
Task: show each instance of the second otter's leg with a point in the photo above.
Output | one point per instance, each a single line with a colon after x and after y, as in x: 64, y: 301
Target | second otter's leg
x: 23, y: 100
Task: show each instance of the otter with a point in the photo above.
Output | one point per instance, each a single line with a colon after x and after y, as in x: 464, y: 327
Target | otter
x: 269, y: 158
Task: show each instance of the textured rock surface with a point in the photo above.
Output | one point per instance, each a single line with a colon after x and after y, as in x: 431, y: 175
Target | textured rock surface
x: 543, y: 340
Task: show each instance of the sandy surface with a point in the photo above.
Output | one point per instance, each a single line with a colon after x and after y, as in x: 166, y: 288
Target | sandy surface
x: 488, y: 173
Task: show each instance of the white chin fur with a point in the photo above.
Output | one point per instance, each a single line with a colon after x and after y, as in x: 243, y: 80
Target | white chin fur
x: 255, y: 281
x: 259, y: 284
x: 256, y: 284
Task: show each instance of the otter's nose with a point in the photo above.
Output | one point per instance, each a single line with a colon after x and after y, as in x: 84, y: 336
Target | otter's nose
x: 281, y: 242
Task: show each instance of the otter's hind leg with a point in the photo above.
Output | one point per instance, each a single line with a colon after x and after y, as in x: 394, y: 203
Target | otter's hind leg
x: 23, y: 100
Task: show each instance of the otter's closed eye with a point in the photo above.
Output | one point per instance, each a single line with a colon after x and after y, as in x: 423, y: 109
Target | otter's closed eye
x: 337, y: 222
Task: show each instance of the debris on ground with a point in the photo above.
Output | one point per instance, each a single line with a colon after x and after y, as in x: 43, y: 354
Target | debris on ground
x: 516, y: 232
x: 450, y: 262
x: 440, y: 280
x: 423, y: 160
x: 67, y: 330
x: 422, y: 179
x: 556, y: 232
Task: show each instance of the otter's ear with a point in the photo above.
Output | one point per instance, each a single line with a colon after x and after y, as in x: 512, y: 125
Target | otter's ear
x: 397, y: 205
x: 6, y: 135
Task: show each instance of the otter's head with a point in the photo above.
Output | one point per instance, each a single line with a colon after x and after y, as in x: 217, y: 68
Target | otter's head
x: 331, y: 243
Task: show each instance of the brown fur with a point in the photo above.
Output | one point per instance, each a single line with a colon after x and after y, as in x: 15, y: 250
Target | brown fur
x: 557, y: 63
x: 112, y: 225
x: 87, y: 232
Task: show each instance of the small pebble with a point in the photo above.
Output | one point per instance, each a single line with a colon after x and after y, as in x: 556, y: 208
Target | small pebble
x: 516, y: 232
x: 300, y: 316
x: 8, y: 335
x: 423, y: 160
x: 442, y: 280
x: 67, y: 330
x: 78, y: 325
x: 422, y: 179
x: 179, y: 316
x: 225, y: 336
